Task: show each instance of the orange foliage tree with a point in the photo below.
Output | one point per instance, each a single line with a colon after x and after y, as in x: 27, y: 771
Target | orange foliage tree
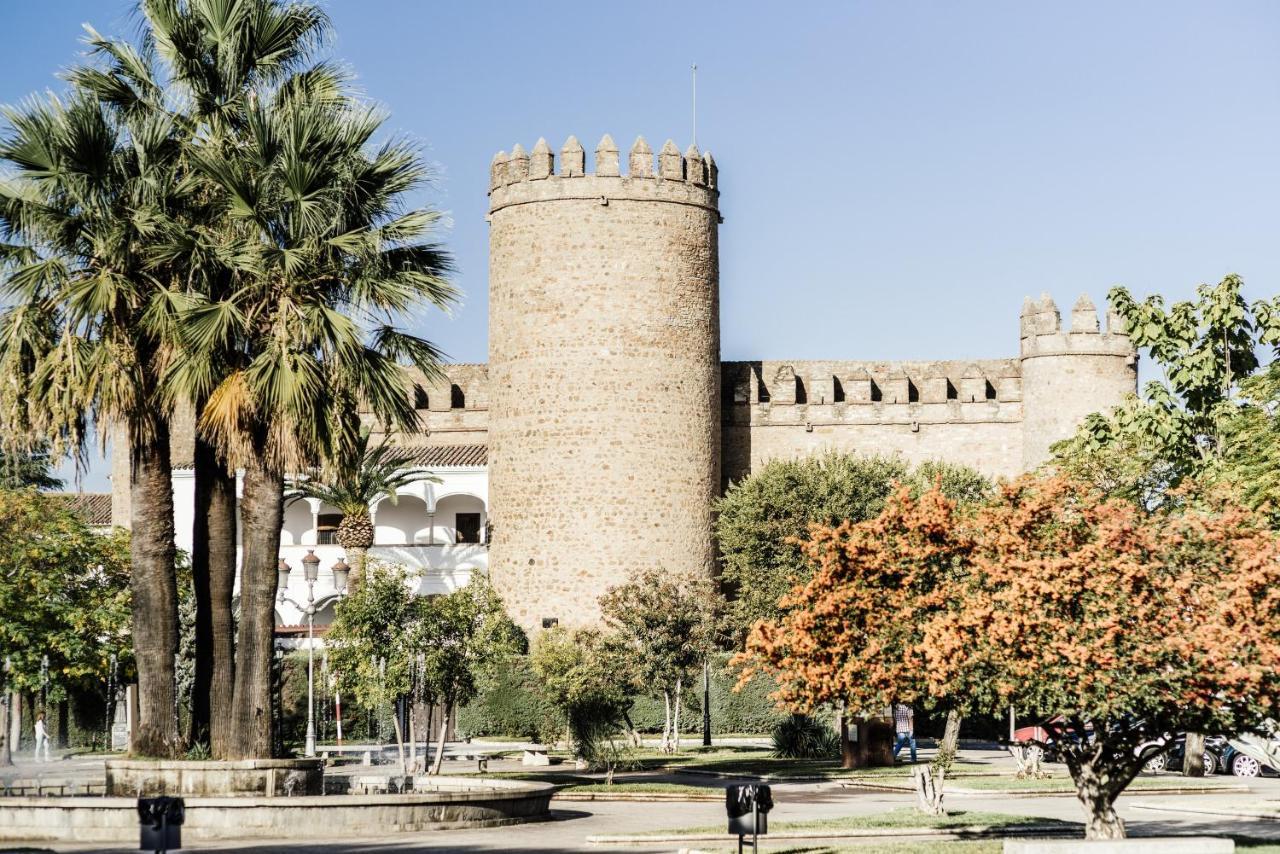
x: 1123, y: 626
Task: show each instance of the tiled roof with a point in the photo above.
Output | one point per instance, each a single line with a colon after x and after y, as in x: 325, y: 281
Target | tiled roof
x: 93, y: 507
x: 440, y: 456
x: 427, y: 456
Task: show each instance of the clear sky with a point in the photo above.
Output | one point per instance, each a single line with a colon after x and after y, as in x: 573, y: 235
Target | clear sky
x: 895, y: 176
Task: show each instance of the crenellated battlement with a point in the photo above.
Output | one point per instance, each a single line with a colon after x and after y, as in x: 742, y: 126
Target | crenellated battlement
x: 524, y: 176
x: 1043, y: 333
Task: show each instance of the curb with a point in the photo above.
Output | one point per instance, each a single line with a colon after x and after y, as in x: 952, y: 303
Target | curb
x: 1223, y: 811
x: 961, y: 791
x: 969, y: 832
x: 638, y: 796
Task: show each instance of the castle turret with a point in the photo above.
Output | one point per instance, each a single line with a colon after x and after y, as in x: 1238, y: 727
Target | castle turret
x: 604, y: 348
x: 1069, y: 373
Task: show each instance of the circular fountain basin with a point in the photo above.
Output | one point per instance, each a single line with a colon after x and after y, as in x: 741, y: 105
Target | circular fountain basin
x: 444, y: 803
x: 132, y: 778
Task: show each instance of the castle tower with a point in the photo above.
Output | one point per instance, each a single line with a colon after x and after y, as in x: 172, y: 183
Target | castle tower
x: 1068, y: 374
x: 604, y: 365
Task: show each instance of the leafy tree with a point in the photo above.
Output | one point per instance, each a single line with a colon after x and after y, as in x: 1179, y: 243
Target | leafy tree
x: 764, y: 520
x: 666, y: 625
x: 578, y: 673
x: 64, y: 593
x: 1251, y: 436
x: 1118, y: 625
x: 367, y: 644
x: 852, y: 634
x: 27, y: 468
x: 458, y: 639
x: 357, y: 477
x: 1179, y: 427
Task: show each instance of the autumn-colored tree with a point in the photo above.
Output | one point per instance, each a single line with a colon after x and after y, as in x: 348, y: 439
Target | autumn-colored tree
x: 854, y: 632
x: 1120, y: 625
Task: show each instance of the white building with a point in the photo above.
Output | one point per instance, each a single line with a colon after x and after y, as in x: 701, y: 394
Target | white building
x: 437, y: 529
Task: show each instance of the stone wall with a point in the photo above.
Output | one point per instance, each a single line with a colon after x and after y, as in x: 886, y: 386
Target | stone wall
x: 604, y: 431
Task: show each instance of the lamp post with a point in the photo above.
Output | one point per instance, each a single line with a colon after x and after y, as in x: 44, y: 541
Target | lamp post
x: 310, y: 572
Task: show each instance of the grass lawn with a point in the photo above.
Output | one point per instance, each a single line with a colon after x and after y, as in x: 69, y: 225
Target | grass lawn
x: 754, y: 762
x: 593, y: 785
x: 904, y: 817
x: 1063, y: 783
x: 983, y: 846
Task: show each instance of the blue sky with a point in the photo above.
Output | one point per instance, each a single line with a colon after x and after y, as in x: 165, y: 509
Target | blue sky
x: 895, y: 176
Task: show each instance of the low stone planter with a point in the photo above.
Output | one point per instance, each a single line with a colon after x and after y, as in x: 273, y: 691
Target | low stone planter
x: 132, y: 778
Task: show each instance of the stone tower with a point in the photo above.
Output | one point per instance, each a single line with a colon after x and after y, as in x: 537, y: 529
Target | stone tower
x: 1068, y: 374
x: 604, y: 369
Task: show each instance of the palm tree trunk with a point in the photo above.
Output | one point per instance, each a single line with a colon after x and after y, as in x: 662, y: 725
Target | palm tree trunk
x: 261, y: 512
x: 205, y: 463
x: 155, y: 594
x: 357, y: 558
x: 222, y: 580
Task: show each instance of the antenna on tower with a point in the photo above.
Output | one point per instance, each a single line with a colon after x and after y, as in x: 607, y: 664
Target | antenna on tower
x: 695, y: 104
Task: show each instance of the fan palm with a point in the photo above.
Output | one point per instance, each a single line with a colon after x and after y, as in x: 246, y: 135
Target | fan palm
x: 215, y: 54
x: 90, y: 329
x: 357, y: 478
x: 322, y: 259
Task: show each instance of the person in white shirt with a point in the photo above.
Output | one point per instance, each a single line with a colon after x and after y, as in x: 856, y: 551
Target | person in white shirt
x: 42, y: 738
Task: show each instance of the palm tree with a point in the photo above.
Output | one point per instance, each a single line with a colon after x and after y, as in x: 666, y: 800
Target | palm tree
x: 89, y: 332
x: 355, y: 480
x: 216, y: 54
x: 322, y: 258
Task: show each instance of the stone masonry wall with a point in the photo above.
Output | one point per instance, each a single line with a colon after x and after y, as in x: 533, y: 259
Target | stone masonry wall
x: 604, y: 429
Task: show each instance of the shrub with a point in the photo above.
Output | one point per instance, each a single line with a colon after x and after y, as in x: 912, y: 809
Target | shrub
x: 802, y: 737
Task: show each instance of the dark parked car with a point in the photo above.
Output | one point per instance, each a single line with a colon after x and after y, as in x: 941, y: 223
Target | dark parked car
x: 1172, y: 755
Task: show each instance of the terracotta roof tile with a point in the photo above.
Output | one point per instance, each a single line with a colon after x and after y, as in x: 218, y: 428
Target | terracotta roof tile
x: 93, y: 507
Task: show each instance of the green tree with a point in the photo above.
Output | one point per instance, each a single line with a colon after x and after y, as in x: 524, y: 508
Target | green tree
x: 456, y: 640
x: 1251, y: 435
x: 64, y: 593
x: 665, y: 625
x: 578, y: 673
x: 1182, y: 424
x: 356, y: 477
x: 367, y: 642
x: 27, y: 468
x: 764, y: 520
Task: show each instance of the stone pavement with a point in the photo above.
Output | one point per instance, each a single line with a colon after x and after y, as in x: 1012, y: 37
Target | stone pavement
x: 573, y: 822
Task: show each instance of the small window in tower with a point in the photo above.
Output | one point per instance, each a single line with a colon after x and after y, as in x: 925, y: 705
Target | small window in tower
x: 913, y: 393
x: 837, y: 390
x: 550, y: 622
x: 468, y: 527
x: 952, y: 394
x: 801, y: 395
x: 876, y: 394
x: 764, y: 393
x: 991, y: 391
x: 327, y: 528
x: 420, y: 400
x: 457, y: 399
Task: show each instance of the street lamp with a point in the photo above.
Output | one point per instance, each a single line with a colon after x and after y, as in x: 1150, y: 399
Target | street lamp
x: 310, y: 572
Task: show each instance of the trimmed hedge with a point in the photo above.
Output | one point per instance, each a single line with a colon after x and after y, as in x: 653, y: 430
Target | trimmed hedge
x: 510, y: 706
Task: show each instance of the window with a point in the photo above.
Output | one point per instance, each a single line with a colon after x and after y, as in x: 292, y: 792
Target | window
x: 468, y: 525
x: 327, y: 528
x: 420, y: 399
x: 457, y: 400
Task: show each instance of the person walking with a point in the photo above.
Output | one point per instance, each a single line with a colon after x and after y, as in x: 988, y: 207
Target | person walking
x: 904, y: 727
x: 42, y: 738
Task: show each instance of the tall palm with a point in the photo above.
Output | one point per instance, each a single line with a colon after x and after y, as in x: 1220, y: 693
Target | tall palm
x: 357, y: 477
x: 323, y: 259
x: 215, y: 54
x: 90, y: 329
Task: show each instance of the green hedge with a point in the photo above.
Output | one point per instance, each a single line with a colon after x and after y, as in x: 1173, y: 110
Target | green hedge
x: 511, y: 707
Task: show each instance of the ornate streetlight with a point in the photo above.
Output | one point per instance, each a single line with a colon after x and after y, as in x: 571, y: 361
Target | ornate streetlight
x: 310, y: 572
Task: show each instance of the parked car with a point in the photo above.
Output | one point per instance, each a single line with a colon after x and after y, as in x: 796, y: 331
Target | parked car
x: 1252, y: 755
x: 1038, y: 733
x: 1171, y: 755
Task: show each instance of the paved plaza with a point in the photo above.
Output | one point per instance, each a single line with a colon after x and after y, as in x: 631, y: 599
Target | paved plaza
x: 574, y: 822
